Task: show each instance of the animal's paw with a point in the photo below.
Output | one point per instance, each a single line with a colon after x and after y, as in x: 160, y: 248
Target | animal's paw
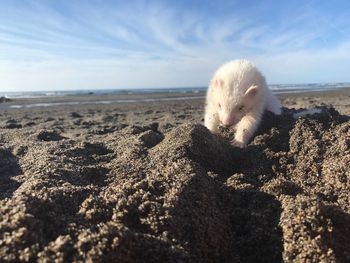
x: 238, y: 144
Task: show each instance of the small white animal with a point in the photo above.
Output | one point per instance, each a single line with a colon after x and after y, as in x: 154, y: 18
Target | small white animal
x: 237, y: 96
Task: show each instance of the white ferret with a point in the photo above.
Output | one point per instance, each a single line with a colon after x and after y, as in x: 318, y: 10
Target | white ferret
x: 237, y: 96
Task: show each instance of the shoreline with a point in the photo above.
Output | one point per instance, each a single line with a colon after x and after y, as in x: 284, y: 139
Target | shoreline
x: 120, y: 99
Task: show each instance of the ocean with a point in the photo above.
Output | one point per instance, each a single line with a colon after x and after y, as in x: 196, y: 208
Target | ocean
x: 98, y: 92
x: 277, y: 88
x: 188, y: 93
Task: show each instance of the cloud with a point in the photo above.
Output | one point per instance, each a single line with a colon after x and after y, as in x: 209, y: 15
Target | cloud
x: 304, y: 66
x: 68, y: 45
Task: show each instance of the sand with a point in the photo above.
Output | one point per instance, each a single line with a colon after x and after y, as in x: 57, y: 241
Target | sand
x: 146, y: 182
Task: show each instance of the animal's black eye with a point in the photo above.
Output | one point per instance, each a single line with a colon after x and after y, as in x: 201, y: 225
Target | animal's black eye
x: 219, y: 106
x: 240, y: 108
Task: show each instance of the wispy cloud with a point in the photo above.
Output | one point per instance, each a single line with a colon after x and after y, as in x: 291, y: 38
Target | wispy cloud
x: 99, y: 44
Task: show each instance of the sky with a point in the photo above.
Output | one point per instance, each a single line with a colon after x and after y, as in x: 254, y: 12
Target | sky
x: 78, y: 44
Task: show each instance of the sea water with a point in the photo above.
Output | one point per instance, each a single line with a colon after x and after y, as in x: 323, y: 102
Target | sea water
x: 188, y: 93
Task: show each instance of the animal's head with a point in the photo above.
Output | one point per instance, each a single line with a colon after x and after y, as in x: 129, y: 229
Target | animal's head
x: 234, y: 102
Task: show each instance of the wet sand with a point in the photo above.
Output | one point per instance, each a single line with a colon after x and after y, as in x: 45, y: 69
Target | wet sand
x: 146, y: 182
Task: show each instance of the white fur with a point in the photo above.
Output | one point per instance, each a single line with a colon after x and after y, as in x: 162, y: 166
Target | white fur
x: 235, y: 84
x: 304, y: 113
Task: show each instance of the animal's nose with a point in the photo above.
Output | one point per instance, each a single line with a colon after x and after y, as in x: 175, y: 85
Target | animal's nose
x: 227, y: 123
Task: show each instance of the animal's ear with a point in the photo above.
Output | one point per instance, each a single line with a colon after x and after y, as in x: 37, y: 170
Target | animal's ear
x: 252, y: 91
x: 218, y: 82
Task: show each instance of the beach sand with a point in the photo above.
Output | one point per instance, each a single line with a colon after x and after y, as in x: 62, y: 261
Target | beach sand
x: 146, y: 182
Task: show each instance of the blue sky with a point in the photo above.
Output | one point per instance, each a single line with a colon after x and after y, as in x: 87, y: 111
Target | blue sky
x: 48, y: 44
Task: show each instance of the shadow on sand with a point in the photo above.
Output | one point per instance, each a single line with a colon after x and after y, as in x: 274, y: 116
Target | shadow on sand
x: 9, y: 167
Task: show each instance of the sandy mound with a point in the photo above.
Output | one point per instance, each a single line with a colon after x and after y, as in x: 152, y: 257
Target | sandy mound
x: 135, y: 194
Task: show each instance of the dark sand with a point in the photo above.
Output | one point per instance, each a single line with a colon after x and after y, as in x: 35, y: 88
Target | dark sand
x: 146, y: 182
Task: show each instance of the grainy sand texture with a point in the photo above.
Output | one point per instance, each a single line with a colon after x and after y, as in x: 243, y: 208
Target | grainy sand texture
x: 146, y: 182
